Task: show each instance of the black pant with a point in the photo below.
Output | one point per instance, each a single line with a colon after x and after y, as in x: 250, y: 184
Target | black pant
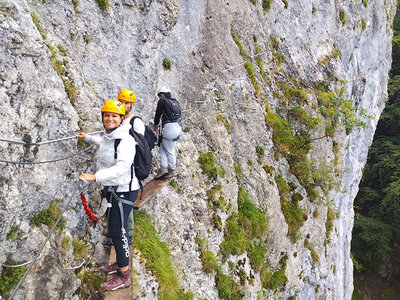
x: 118, y: 233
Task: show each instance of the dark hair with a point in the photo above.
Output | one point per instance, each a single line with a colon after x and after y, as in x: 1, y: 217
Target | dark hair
x: 168, y: 95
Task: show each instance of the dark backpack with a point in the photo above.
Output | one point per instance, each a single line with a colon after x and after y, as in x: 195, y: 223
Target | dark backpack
x: 172, y: 109
x: 149, y: 134
x: 143, y: 156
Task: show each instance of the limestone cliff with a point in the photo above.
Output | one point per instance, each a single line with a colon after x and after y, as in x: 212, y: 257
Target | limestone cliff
x: 285, y: 95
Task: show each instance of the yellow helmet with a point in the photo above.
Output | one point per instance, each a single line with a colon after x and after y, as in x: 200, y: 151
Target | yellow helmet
x: 127, y: 95
x: 113, y: 106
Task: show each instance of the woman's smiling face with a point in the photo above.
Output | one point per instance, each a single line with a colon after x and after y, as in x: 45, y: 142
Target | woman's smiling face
x: 111, y: 120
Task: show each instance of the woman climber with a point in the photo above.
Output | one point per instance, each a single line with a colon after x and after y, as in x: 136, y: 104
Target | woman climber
x: 115, y: 172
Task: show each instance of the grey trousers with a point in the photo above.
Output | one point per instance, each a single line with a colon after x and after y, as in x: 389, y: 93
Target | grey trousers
x: 171, y: 132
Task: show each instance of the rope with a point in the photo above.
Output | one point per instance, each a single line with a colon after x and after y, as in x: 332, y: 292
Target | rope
x: 44, y: 142
x: 45, y: 161
x: 47, y: 239
x: 20, y: 265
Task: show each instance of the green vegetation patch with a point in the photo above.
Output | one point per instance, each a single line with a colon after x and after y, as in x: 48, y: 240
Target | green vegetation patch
x: 208, y: 164
x: 167, y: 64
x: 49, y: 217
x: 228, y: 126
x: 38, y: 23
x: 90, y: 284
x: 244, y: 231
x: 247, y: 65
x: 314, y: 254
x: 103, y: 4
x: 158, y: 257
x: 277, y: 279
x: 9, y: 279
x: 227, y: 288
x: 80, y: 248
x: 209, y: 261
x: 294, y: 217
x: 342, y: 16
x: 266, y: 5
x: 12, y: 233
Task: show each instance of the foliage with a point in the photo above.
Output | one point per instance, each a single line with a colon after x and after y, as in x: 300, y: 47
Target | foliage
x: 167, y: 64
x: 228, y: 126
x: 227, y: 287
x: 49, y: 217
x: 314, y: 254
x: 337, y: 108
x: 90, y: 284
x: 80, y: 248
x: 329, y: 222
x: 208, y: 164
x: 9, y: 279
x: 266, y: 5
x: 247, y: 65
x: 294, y: 217
x: 209, y: 261
x: 12, y: 233
x: 342, y: 16
x: 103, y: 4
x: 274, y: 280
x: 245, y: 230
x: 157, y: 257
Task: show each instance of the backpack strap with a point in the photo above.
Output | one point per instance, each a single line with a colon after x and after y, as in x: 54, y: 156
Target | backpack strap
x: 116, y: 143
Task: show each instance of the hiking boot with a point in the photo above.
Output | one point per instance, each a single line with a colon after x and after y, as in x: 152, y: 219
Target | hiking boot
x: 111, y: 269
x: 119, y: 281
x: 161, y: 173
x: 171, y: 173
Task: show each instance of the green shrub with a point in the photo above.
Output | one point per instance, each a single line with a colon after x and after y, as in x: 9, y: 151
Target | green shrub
x: 167, y: 64
x: 283, y: 187
x: 208, y: 164
x: 365, y: 3
x: 274, y: 280
x: 9, y: 279
x: 12, y: 233
x: 103, y: 4
x: 266, y: 5
x: 90, y: 284
x: 238, y: 171
x: 209, y: 261
x: 227, y: 287
x: 260, y: 151
x: 244, y: 231
x: 38, y: 23
x: 228, y: 126
x: 342, y: 16
x: 294, y: 217
x: 80, y: 248
x: 157, y: 257
x: 329, y: 222
x: 314, y: 254
x: 49, y: 217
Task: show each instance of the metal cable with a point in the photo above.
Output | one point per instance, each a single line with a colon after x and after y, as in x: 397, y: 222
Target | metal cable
x: 20, y: 265
x: 44, y: 142
x: 47, y: 238
x: 46, y: 161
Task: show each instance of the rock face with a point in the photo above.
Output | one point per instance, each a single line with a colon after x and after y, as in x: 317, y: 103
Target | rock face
x: 249, y: 74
